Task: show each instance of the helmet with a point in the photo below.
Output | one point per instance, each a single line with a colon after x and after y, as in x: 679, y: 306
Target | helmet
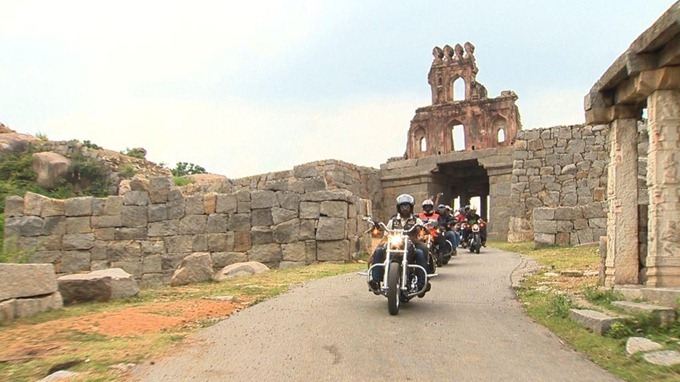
x: 448, y: 208
x: 405, y: 199
x: 473, y: 208
x: 428, y: 205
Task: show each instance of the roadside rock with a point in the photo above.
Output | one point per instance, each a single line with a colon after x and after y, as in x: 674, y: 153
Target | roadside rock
x: 49, y: 168
x: 195, y: 268
x: 102, y: 285
x: 240, y: 269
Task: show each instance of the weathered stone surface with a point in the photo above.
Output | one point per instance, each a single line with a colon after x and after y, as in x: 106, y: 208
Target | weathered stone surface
x: 26, y: 307
x: 222, y: 259
x: 14, y: 206
x: 640, y: 344
x: 663, y: 357
x: 217, y: 223
x: 280, y: 215
x: 294, y: 252
x: 136, y: 198
x: 33, y: 204
x: 81, y: 206
x: 337, y: 250
x: 226, y: 203
x: 193, y: 224
x: 239, y: 222
x: 330, y: 229
x: 53, y: 207
x: 159, y: 188
x: 7, y: 310
x: 79, y: 224
x: 195, y: 268
x: 265, y: 253
x: 78, y: 241
x: 103, y: 285
x: 262, y: 217
x: 241, y: 269
x: 264, y: 199
x: 597, y: 322
x: 334, y: 209
x: 75, y: 261
x: 26, y: 280
x: 310, y: 210
x: 134, y: 216
x: 287, y: 232
x: 113, y: 205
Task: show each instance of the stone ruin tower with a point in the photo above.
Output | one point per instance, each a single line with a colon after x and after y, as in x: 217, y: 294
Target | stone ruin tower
x: 482, y: 122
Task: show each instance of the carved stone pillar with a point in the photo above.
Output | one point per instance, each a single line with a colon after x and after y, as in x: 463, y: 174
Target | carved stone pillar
x: 663, y: 162
x: 621, y: 265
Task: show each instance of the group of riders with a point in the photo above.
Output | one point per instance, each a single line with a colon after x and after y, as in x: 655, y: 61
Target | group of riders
x: 454, y: 227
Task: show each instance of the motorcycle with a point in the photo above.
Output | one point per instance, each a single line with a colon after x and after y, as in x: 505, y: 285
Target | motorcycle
x: 401, y: 280
x: 440, y: 251
x: 474, y: 237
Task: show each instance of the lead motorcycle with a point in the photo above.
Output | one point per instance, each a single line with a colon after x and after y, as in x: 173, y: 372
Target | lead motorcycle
x: 401, y: 279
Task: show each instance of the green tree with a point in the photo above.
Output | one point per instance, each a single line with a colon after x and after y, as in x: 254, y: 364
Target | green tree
x: 184, y: 168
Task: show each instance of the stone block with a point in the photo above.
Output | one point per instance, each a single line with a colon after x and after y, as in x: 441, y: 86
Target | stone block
x: 337, y: 250
x: 103, y: 285
x: 136, y: 198
x: 81, y: 206
x: 310, y: 210
x: 334, y: 209
x: 265, y: 253
x: 209, y: 203
x: 289, y: 200
x: 222, y: 259
x: 159, y: 188
x: 179, y: 243
x: 598, y: 322
x: 331, y: 229
x: 194, y: 205
x: 176, y: 208
x: 26, y: 280
x: 218, y: 242
x: 287, y: 232
x: 294, y: 252
x: 239, y: 222
x: 281, y: 215
x: 79, y: 224
x: 241, y: 269
x: 262, y: 217
x: 14, y: 206
x: 27, y: 307
x: 106, y: 221
x: 7, y: 310
x: 134, y: 216
x: 226, y: 204
x: 33, y: 204
x: 261, y: 235
x: 157, y: 212
x: 164, y: 228
x: 193, y: 224
x: 78, y: 241
x: 75, y: 261
x: 152, y: 264
x: 217, y: 223
x: 135, y: 233
x: 264, y: 199
x: 53, y: 207
x: 113, y: 205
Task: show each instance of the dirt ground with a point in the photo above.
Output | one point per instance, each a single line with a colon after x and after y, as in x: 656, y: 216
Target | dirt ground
x: 27, y: 341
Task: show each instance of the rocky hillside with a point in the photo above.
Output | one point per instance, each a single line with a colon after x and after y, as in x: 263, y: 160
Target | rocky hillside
x: 55, y: 161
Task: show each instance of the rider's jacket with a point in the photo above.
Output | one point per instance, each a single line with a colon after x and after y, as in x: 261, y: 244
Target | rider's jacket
x: 425, y: 217
x: 397, y: 222
x: 446, y: 222
x: 473, y: 218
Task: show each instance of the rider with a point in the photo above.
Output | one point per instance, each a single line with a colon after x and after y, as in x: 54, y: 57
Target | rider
x: 428, y: 215
x: 472, y: 218
x: 404, y: 219
x: 447, y: 222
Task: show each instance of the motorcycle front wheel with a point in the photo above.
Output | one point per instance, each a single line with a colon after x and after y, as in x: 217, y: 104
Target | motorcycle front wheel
x: 393, y: 292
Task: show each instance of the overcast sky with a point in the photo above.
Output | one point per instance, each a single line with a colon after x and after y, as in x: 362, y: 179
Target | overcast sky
x: 248, y: 87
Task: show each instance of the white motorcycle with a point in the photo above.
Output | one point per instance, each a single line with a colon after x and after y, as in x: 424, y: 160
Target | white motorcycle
x: 401, y: 280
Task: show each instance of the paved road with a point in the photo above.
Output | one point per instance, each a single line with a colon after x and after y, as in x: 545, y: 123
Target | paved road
x: 467, y: 328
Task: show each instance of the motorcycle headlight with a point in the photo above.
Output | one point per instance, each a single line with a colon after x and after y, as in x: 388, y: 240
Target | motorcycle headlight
x: 396, y: 242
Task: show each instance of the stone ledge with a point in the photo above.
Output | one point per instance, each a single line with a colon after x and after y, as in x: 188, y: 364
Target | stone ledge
x: 597, y: 322
x: 663, y: 314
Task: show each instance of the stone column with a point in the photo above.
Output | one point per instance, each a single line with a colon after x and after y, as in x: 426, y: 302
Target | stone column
x: 663, y: 161
x: 621, y: 265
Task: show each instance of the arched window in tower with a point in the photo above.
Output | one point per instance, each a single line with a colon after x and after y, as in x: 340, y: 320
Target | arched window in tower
x: 458, y: 137
x: 419, y: 138
x: 458, y: 89
x: 499, y: 125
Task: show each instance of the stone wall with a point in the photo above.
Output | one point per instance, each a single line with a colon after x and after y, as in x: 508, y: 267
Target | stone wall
x: 563, y: 166
x: 569, y: 225
x: 150, y: 229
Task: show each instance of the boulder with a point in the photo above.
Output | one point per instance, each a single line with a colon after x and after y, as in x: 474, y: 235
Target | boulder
x: 195, y: 268
x: 240, y: 269
x: 12, y: 142
x: 49, y: 168
x: 102, y: 285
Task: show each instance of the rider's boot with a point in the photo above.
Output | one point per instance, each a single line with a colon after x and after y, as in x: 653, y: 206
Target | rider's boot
x: 374, y: 286
x: 427, y: 289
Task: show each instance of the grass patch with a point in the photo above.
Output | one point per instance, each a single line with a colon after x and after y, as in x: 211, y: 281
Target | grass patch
x: 547, y: 300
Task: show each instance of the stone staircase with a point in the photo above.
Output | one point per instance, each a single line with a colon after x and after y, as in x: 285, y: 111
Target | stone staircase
x: 659, y: 303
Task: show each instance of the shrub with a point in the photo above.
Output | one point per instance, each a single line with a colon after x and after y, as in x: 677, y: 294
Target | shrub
x: 91, y: 145
x: 127, y: 171
x: 184, y: 168
x: 137, y: 152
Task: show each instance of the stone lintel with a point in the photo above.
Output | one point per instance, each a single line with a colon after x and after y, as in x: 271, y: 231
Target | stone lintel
x: 637, y: 63
x: 670, y: 54
x: 605, y: 115
x: 638, y: 88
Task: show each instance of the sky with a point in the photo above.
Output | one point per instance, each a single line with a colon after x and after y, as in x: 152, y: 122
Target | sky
x: 249, y: 87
